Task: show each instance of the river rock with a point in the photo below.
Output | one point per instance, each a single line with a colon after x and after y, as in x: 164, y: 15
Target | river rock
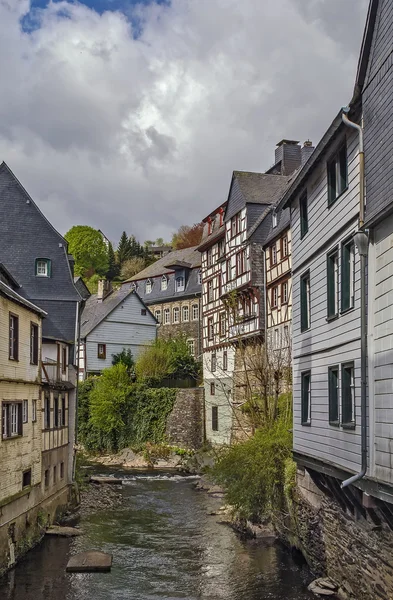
x: 57, y: 530
x: 323, y: 587
x: 92, y: 561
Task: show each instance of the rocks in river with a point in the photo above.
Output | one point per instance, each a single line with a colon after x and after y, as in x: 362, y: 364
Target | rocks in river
x: 100, y: 496
x: 59, y: 531
x: 92, y: 561
x: 323, y: 587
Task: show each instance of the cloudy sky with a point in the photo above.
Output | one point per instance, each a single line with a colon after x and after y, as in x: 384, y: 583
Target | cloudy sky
x: 126, y: 114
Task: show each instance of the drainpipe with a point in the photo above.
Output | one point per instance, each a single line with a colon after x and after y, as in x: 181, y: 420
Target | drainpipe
x: 361, y: 242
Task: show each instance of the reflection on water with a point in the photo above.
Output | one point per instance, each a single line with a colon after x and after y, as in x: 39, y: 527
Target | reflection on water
x: 164, y: 545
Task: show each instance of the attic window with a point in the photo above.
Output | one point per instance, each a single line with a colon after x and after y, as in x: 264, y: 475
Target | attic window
x: 221, y: 216
x: 164, y: 282
x: 274, y: 218
x: 149, y: 286
x: 180, y: 284
x: 42, y: 267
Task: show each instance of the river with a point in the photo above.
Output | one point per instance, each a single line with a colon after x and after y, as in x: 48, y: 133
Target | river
x: 165, y: 545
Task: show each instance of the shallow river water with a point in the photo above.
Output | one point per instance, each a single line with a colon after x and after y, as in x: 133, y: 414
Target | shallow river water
x: 165, y: 545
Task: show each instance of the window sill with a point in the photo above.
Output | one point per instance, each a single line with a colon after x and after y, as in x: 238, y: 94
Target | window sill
x: 306, y: 424
x: 333, y: 202
x: 332, y: 318
x: 305, y: 330
x: 346, y: 310
x: 11, y: 437
x: 13, y: 359
x: 348, y: 426
x: 334, y: 423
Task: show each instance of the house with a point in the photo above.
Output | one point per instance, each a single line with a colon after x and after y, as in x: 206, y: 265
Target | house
x: 22, y: 491
x: 159, y: 251
x: 113, y: 320
x: 171, y: 288
x: 36, y: 256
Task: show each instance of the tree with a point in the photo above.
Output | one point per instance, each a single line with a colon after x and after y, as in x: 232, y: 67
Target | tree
x: 167, y: 358
x: 187, y: 236
x: 125, y: 358
x: 113, y: 267
x: 132, y: 266
x: 124, y: 249
x: 88, y: 248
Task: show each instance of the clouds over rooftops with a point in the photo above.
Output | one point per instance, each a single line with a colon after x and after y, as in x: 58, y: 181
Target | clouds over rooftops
x: 136, y: 120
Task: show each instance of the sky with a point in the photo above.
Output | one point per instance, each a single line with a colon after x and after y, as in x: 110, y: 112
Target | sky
x: 131, y: 115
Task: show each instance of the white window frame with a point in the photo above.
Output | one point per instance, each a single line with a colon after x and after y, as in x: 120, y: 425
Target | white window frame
x: 167, y: 316
x: 42, y: 268
x: 176, y: 314
x: 200, y: 277
x: 180, y: 283
x: 149, y: 286
x: 25, y: 411
x: 185, y: 313
x: 164, y: 283
x: 274, y: 219
x: 157, y: 315
x: 195, y: 312
x: 191, y: 346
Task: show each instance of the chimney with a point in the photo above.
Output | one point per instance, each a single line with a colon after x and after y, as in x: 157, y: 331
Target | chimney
x: 287, y: 157
x: 307, y: 150
x: 104, y: 289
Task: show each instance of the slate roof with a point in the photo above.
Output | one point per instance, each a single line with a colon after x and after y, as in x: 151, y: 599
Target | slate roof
x: 261, y: 188
x: 81, y: 287
x: 5, y: 290
x: 283, y: 223
x: 96, y: 310
x: 160, y: 267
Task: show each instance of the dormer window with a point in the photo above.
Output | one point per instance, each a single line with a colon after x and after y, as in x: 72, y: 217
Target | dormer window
x: 149, y: 286
x: 180, y: 284
x: 274, y: 218
x: 164, y: 283
x: 43, y: 267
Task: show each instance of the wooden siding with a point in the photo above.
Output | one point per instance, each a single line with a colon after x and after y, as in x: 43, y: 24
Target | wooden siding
x: 326, y: 343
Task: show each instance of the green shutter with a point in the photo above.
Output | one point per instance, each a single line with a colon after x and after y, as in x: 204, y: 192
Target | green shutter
x: 304, y: 303
x: 346, y: 276
x: 305, y: 396
x: 333, y: 395
x: 347, y: 416
x: 343, y: 169
x: 303, y: 215
x: 331, y: 287
x: 331, y: 177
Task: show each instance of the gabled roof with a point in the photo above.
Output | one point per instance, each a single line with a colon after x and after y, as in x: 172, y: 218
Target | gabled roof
x: 283, y: 223
x: 95, y: 310
x: 189, y: 256
x: 5, y: 274
x: 5, y: 290
x: 260, y: 188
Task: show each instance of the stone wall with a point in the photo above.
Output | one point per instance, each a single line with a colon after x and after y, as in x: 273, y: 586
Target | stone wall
x: 349, y: 549
x: 191, y: 328
x: 185, y: 426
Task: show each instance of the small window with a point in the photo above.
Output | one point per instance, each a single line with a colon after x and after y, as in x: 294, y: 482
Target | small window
x: 54, y: 474
x: 229, y: 271
x: 303, y: 205
x: 64, y: 359
x: 306, y: 398
x: 213, y: 362
x: 275, y: 296
x: 34, y: 344
x: 284, y: 246
x: 233, y: 226
x: 209, y: 287
x: 143, y: 312
x: 199, y: 277
x: 56, y: 411
x: 13, y: 337
x: 284, y: 292
x: 337, y: 175
x: 149, y: 286
x: 274, y: 219
x: 305, y: 313
x: 223, y: 324
x: 167, y: 316
x: 101, y: 351
x: 46, y: 478
x: 212, y: 389
x: 241, y: 259
x: 134, y: 287
x: 221, y: 248
x: 61, y: 470
x: 26, y: 478
x: 12, y: 419
x: 157, y: 315
x: 25, y: 411
x: 185, y: 314
x: 209, y: 257
x: 276, y: 339
x: 63, y: 420
x: 195, y: 312
x: 164, y: 283
x: 34, y: 411
x: 348, y: 394
x: 180, y: 284
x: 215, y: 418
x: 333, y: 396
x: 225, y: 361
x: 332, y: 284
x: 191, y: 346
x: 347, y: 275
x: 210, y: 328
x: 176, y: 315
x: 273, y: 254
x: 47, y: 411
x: 286, y: 336
x: 43, y: 267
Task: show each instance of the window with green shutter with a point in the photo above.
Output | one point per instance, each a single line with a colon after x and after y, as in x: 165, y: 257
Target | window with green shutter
x: 332, y: 284
x: 337, y: 174
x: 303, y: 202
x: 305, y: 301
x: 347, y: 275
x: 306, y: 397
x: 334, y: 417
x: 348, y: 394
x: 43, y: 267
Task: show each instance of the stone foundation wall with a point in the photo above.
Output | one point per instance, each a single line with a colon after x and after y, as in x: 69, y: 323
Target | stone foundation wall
x: 349, y: 549
x: 185, y: 426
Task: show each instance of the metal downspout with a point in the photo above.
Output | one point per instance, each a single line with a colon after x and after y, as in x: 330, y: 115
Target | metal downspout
x: 361, y: 241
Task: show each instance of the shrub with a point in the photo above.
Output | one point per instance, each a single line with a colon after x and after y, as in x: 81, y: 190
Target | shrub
x: 166, y: 358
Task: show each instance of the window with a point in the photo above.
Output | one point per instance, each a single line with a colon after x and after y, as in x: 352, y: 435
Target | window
x: 43, y: 267
x: 212, y: 389
x: 25, y: 411
x: 215, y: 418
x: 195, y: 312
x: 305, y: 318
x: 209, y: 257
x: 241, y: 258
x: 12, y: 419
x: 229, y: 272
x: 225, y: 361
x: 157, y: 315
x: 134, y: 287
x: 303, y: 205
x: 233, y: 226
x: 199, y: 277
x: 273, y: 254
x: 275, y: 296
x: 13, y: 337
x: 219, y: 277
x: 333, y: 396
x: 60, y: 410
x: 101, y: 351
x: 286, y: 335
x: 210, y: 294
x: 176, y: 315
x: 185, y: 314
x: 337, y: 175
x: 26, y: 478
x: 223, y: 324
x: 347, y: 275
x: 276, y: 339
x: 221, y: 212
x: 180, y: 284
x: 284, y: 246
x: 61, y: 470
x: 63, y: 420
x: 221, y: 248
x: 34, y: 344
x: 213, y: 362
x: 306, y: 398
x: 149, y: 286
x: 274, y: 219
x: 143, y: 312
x: 209, y: 226
x: 332, y: 284
x: 47, y: 412
x: 55, y: 411
x: 238, y: 223
x: 54, y: 474
x: 34, y: 411
x: 64, y: 359
x: 348, y: 394
x: 164, y: 283
x: 191, y: 346
x: 167, y: 316
x: 46, y: 478
x: 210, y: 329
x: 284, y: 292
x: 247, y: 303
